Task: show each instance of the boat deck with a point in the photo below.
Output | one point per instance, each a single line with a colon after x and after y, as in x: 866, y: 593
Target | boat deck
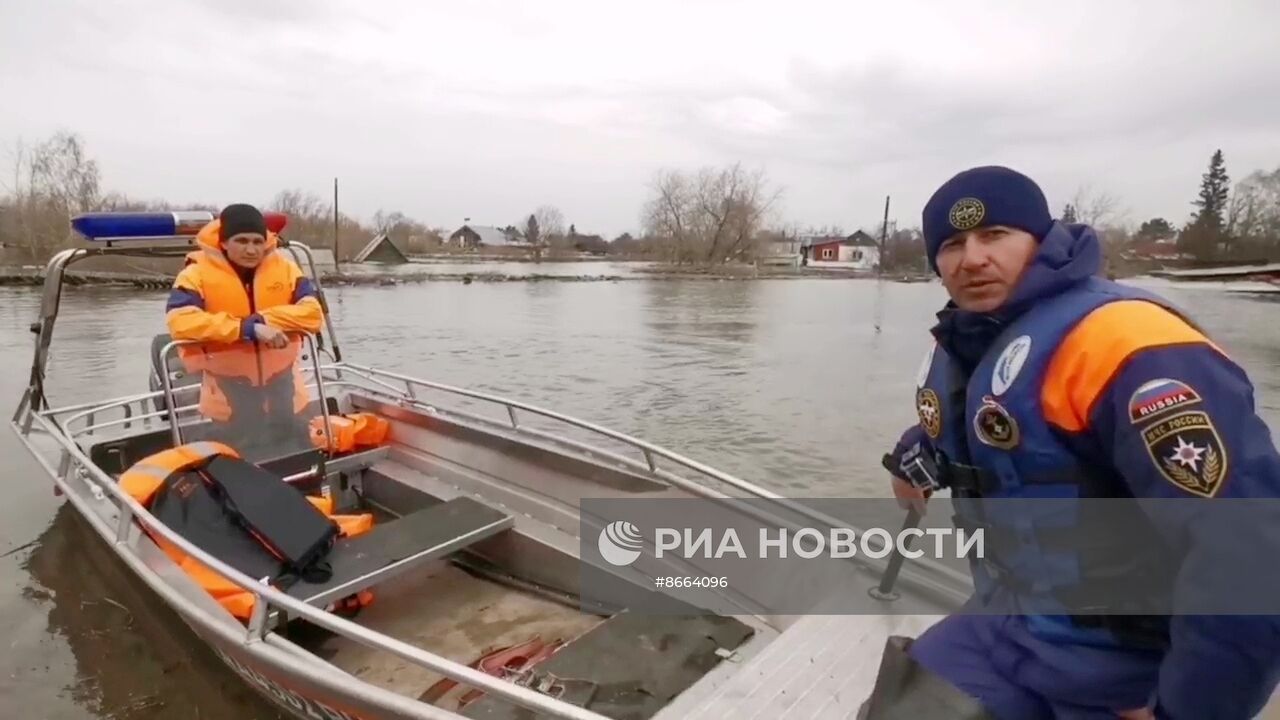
x: 823, y: 666
x: 449, y: 612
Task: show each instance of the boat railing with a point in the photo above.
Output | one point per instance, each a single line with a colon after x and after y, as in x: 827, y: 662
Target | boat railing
x: 932, y: 575
x: 73, y: 462
x: 407, y: 391
x: 406, y: 387
x: 145, y: 415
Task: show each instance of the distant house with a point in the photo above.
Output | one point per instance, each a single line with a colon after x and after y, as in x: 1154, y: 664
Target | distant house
x: 470, y: 236
x: 590, y: 244
x: 780, y: 250
x: 381, y: 250
x: 858, y: 251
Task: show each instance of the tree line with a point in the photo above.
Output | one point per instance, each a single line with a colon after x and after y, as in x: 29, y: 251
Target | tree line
x: 705, y: 216
x: 54, y: 180
x: 1240, y: 222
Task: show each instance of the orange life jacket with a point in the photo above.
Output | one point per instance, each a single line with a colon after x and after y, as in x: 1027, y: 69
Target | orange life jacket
x: 147, y: 476
x: 210, y: 275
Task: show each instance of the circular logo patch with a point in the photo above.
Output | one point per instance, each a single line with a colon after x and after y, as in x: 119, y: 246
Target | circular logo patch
x: 966, y: 213
x: 1009, y: 364
x: 994, y: 425
x: 929, y: 408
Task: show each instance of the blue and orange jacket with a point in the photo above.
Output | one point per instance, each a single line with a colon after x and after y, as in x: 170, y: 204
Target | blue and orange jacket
x: 211, y: 304
x: 1115, y: 362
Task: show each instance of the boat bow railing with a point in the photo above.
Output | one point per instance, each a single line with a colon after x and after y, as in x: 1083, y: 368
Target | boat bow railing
x: 927, y: 574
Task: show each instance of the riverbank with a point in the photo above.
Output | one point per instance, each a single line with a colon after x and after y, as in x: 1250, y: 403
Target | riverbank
x: 744, y: 271
x: 402, y: 274
x: 35, y: 277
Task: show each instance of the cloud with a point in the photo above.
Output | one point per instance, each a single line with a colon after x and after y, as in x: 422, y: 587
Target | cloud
x: 488, y: 109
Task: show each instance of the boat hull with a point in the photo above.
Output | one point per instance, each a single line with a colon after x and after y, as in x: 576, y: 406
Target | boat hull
x: 280, y: 672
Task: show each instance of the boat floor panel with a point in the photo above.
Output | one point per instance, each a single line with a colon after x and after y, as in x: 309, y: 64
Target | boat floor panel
x: 823, y: 666
x: 637, y: 662
x: 450, y: 612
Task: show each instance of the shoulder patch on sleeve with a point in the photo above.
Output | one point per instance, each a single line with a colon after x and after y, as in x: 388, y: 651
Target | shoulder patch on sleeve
x: 1160, y: 397
x: 1097, y: 348
x: 1188, y: 452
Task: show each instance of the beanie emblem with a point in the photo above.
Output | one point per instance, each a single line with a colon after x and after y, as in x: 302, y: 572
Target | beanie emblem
x: 966, y: 213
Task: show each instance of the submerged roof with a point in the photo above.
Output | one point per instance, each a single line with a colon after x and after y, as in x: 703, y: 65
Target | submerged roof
x: 488, y: 234
x: 380, y: 249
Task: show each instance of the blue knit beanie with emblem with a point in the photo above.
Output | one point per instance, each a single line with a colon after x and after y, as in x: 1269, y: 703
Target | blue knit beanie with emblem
x: 981, y: 196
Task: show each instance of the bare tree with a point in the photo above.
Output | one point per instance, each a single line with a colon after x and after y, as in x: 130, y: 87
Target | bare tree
x: 51, y: 182
x: 1095, y: 207
x: 310, y: 217
x: 406, y: 233
x: 826, y: 231
x: 550, y: 222
x: 666, y: 212
x: 384, y: 222
x: 1253, y: 214
x: 711, y: 216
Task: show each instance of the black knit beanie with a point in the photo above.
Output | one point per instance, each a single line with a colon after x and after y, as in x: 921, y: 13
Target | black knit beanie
x: 240, y: 218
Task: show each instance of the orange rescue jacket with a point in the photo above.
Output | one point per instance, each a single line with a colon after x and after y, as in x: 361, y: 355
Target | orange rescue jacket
x: 210, y: 304
x: 144, y: 479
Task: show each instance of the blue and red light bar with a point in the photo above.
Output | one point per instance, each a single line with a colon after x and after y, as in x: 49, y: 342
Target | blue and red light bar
x: 151, y: 225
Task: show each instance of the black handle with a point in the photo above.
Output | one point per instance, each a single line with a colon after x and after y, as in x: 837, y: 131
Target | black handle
x: 884, y: 591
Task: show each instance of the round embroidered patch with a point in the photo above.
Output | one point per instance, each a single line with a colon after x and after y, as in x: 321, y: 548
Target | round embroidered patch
x: 966, y: 213
x: 995, y: 426
x: 929, y: 408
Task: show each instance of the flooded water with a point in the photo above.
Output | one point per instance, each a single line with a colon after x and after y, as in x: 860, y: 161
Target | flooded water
x: 452, y: 267
x: 798, y: 385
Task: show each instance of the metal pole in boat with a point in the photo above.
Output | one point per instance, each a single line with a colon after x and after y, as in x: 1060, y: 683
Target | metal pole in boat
x: 337, y: 262
x: 884, y: 591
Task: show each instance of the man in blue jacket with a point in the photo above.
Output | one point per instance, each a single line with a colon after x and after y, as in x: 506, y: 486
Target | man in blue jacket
x: 1047, y: 381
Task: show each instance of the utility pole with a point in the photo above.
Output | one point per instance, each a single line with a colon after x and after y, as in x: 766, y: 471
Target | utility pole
x: 336, y: 255
x: 879, y: 306
x: 884, y: 236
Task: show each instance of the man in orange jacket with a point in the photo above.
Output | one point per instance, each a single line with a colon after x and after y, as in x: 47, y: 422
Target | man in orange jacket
x: 238, y: 297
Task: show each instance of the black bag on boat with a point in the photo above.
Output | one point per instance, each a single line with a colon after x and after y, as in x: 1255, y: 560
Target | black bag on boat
x: 249, y: 519
x: 905, y: 690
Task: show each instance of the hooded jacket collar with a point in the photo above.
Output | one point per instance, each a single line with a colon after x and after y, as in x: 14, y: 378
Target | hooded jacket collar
x: 207, y: 240
x: 1067, y: 256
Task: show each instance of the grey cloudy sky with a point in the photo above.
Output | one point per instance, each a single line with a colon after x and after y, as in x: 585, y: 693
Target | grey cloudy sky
x: 487, y: 109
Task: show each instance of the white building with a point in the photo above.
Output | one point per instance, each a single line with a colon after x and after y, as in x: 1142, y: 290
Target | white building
x: 855, y: 252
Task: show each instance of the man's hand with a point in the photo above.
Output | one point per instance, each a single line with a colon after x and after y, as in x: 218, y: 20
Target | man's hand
x: 1138, y: 714
x: 910, y: 496
x: 270, y: 336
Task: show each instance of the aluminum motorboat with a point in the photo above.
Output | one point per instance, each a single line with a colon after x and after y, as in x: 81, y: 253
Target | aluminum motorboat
x: 474, y: 561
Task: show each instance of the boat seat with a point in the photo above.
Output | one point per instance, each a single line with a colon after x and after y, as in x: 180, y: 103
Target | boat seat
x: 400, y: 545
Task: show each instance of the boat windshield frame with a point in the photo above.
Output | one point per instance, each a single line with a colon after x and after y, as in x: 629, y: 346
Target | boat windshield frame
x: 163, y: 247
